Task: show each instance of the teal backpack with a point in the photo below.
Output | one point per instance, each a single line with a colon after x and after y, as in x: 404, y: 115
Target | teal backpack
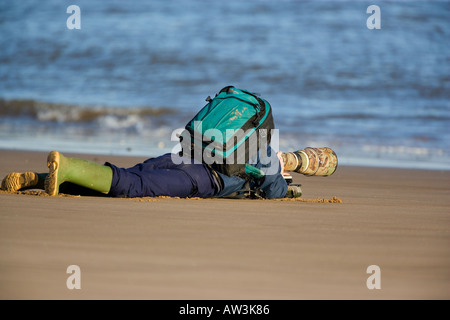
x: 229, y: 131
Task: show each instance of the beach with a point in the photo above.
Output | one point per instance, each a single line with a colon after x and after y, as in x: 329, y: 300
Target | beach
x: 166, y: 248
x: 116, y: 82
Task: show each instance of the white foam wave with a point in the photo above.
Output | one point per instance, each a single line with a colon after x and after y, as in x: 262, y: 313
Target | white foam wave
x: 124, y: 122
x: 420, y: 151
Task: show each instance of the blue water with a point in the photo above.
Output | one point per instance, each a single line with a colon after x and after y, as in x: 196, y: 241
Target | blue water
x: 143, y: 68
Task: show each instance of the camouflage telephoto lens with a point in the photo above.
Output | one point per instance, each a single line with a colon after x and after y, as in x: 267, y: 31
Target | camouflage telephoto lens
x: 311, y: 161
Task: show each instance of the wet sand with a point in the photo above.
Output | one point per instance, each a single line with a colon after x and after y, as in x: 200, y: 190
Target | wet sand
x: 167, y: 248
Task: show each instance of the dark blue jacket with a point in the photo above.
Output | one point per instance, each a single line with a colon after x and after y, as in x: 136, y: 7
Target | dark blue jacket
x: 273, y: 184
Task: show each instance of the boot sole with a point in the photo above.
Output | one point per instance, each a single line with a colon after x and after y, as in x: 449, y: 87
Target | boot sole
x: 51, y: 182
x: 15, y: 181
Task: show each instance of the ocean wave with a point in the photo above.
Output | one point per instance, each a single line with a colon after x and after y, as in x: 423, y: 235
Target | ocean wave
x: 438, y: 117
x: 420, y: 151
x: 61, y: 113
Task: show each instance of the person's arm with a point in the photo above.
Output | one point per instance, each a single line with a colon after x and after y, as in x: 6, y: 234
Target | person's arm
x: 274, y: 185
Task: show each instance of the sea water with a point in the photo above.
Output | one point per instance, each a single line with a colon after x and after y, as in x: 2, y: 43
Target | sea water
x: 137, y: 70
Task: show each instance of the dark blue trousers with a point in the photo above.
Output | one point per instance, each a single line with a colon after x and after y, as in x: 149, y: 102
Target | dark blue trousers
x: 161, y: 177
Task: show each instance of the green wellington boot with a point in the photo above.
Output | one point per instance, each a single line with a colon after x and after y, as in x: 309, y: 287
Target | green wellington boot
x: 84, y: 173
x: 16, y: 181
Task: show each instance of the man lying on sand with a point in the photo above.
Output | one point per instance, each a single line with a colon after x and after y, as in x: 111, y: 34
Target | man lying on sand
x: 162, y: 177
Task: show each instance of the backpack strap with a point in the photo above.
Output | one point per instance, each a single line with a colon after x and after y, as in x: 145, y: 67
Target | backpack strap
x: 225, y: 89
x: 247, y: 192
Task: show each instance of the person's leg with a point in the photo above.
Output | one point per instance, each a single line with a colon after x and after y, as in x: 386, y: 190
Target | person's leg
x: 161, y: 177
x: 153, y: 183
x: 83, y: 173
x: 162, y: 162
x: 16, y: 181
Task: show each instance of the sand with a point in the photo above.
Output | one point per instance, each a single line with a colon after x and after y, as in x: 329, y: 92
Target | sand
x: 164, y: 248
